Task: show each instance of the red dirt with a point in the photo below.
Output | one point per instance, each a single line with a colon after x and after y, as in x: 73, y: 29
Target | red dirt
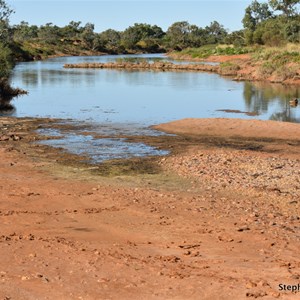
x: 225, y: 58
x: 64, y: 236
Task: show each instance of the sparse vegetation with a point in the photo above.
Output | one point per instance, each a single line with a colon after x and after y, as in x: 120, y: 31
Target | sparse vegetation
x: 208, y: 50
x: 282, y: 63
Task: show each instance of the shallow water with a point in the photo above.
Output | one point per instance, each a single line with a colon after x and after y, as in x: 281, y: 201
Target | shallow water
x: 98, y: 150
x: 118, y: 100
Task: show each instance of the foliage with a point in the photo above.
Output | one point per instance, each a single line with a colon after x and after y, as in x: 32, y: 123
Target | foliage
x: 208, y: 50
x: 229, y: 68
x: 141, y: 37
x: 5, y: 11
x: 24, y: 32
x: 87, y: 35
x: 256, y: 13
x: 264, y: 25
x: 109, y: 41
x: 288, y: 7
x: 182, y: 35
x: 6, y: 61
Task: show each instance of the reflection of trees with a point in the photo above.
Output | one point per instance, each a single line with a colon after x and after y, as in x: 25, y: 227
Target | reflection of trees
x: 30, y: 78
x: 258, y: 97
x: 50, y: 77
x: 254, y: 99
x: 8, y: 111
x: 287, y: 115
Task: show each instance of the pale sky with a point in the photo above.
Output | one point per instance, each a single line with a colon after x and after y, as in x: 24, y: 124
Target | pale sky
x: 122, y: 13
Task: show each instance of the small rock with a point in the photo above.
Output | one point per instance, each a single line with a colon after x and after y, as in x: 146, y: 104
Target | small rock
x: 23, y: 278
x: 4, y: 138
x: 244, y: 228
x: 250, y: 285
x: 274, y: 294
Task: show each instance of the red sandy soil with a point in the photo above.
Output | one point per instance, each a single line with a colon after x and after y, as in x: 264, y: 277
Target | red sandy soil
x: 225, y: 58
x: 194, y: 237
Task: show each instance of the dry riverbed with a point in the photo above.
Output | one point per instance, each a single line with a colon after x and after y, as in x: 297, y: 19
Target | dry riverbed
x: 216, y: 219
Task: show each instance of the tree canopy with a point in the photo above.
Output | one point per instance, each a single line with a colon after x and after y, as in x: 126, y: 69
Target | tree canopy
x: 5, y: 11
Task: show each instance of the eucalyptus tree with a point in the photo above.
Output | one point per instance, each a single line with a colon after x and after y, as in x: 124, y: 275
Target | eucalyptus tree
x: 6, y: 58
x: 5, y: 11
x: 5, y: 33
x: 49, y: 33
x: 72, y: 30
x: 108, y: 41
x: 178, y: 35
x: 287, y: 7
x: 140, y: 35
x: 216, y: 33
x: 255, y: 14
x: 24, y: 32
x: 88, y: 35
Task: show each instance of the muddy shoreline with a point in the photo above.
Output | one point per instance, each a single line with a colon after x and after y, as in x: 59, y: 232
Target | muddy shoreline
x: 218, y: 218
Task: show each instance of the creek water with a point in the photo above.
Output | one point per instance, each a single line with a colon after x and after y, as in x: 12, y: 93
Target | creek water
x: 127, y: 102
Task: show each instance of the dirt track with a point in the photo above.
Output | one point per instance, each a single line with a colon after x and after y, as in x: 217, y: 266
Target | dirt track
x: 220, y: 220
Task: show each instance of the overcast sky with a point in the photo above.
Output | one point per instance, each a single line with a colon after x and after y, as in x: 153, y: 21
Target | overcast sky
x: 121, y: 14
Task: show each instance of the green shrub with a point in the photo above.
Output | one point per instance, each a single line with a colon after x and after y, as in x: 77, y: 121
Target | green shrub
x: 6, y: 61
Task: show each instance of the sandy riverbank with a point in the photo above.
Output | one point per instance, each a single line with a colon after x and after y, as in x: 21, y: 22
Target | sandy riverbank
x: 219, y: 220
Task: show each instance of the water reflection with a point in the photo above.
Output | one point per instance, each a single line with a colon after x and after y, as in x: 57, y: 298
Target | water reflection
x: 144, y: 97
x: 8, y: 111
x: 259, y: 97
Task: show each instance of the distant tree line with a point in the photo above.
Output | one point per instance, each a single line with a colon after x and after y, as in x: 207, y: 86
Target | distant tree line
x: 272, y: 23
x: 136, y: 38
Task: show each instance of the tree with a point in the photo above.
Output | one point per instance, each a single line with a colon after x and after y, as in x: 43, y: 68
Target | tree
x: 72, y: 30
x: 88, y: 35
x: 216, y: 33
x: 178, y: 35
x: 140, y: 32
x: 23, y: 32
x: 108, y: 41
x: 256, y: 13
x: 5, y: 32
x: 49, y: 33
x: 5, y: 11
x: 292, y: 30
x: 197, y: 36
x: 237, y: 38
x: 6, y: 61
x: 288, y: 7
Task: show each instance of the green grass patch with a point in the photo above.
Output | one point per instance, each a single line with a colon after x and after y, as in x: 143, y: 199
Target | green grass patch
x: 208, y: 50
